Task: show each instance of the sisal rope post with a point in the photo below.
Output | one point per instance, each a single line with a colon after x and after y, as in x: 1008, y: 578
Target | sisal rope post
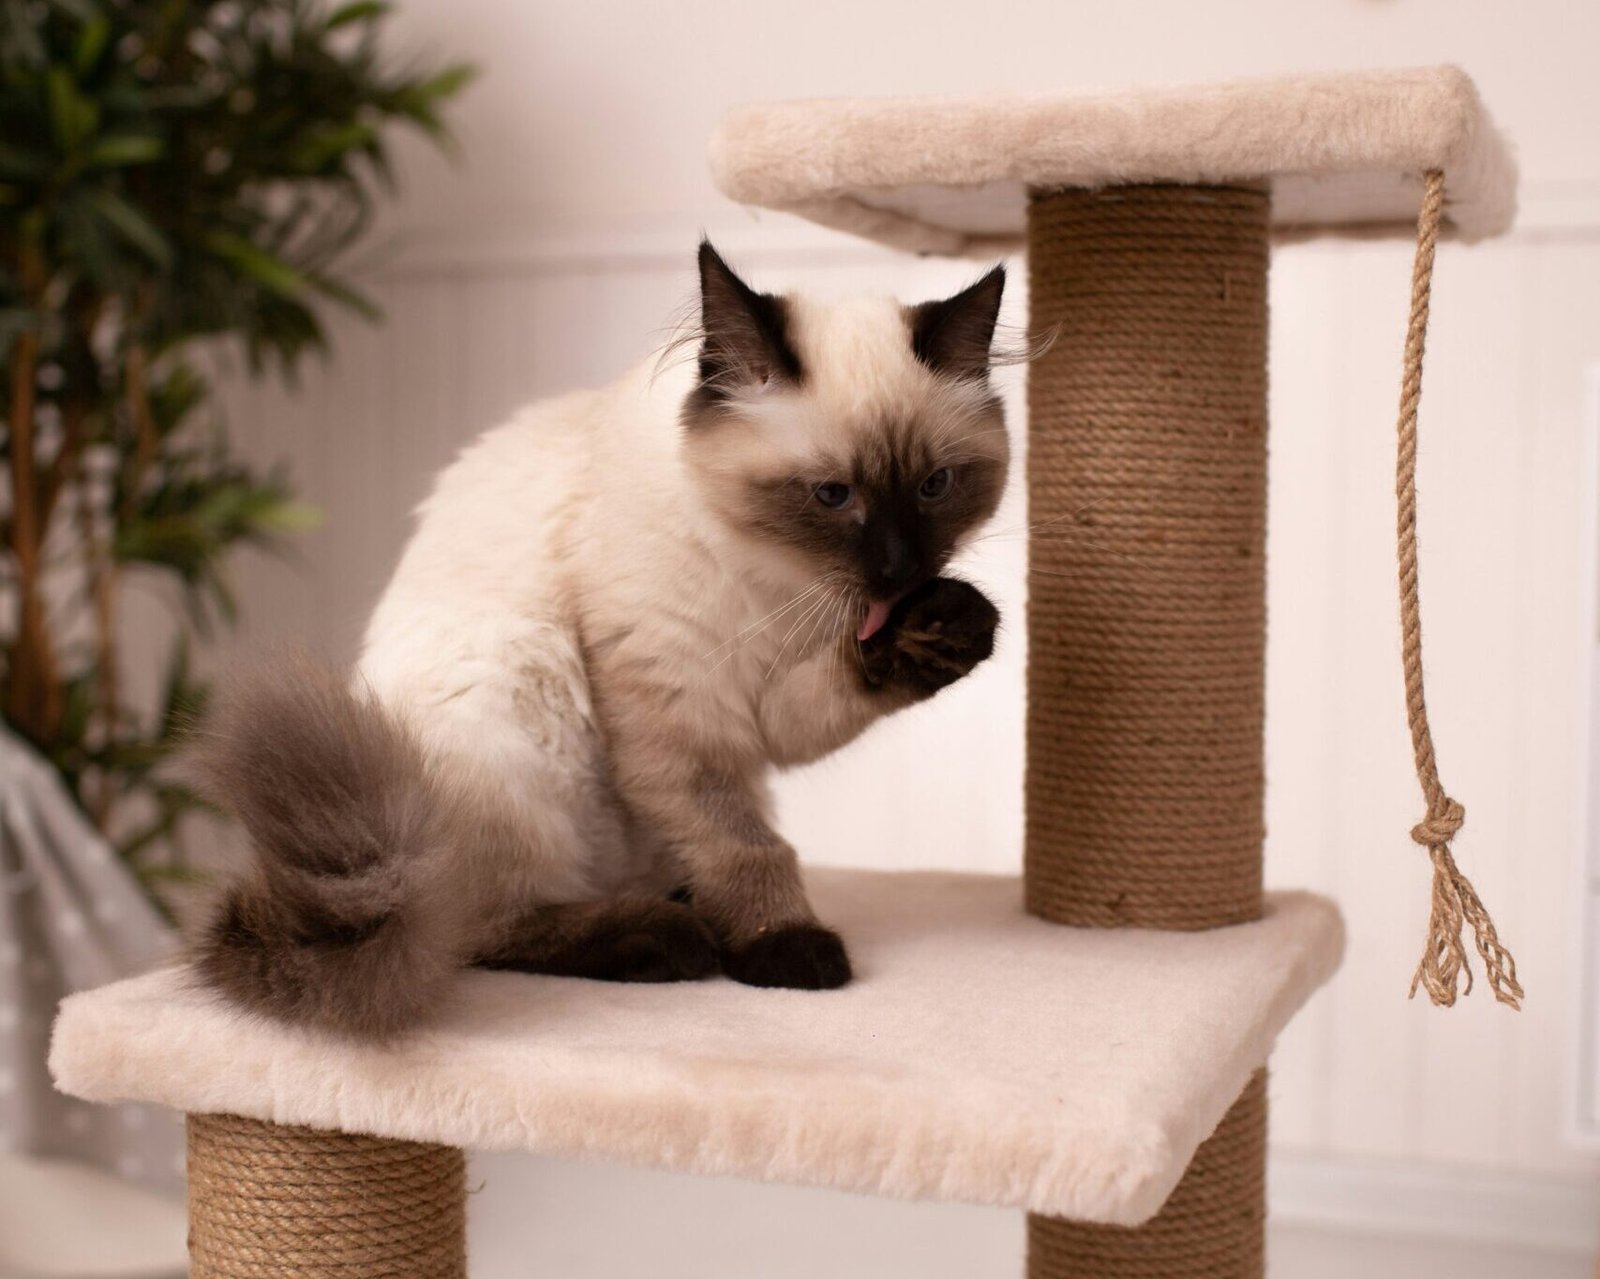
x: 267, y: 1200
x: 1443, y: 969
x: 1213, y: 1225
x: 1147, y: 630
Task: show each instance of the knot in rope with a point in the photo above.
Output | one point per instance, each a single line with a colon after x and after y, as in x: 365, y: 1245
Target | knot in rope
x: 1440, y: 826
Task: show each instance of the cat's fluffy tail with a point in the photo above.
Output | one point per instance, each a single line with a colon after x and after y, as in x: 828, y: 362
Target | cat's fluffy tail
x: 334, y: 924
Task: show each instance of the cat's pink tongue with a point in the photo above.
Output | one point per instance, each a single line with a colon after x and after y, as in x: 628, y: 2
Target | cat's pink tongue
x: 872, y: 623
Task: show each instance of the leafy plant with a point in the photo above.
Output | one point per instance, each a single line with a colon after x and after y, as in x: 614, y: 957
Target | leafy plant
x: 171, y: 172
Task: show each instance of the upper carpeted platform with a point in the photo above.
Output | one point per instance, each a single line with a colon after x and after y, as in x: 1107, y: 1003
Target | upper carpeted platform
x: 1342, y: 153
x: 981, y: 1055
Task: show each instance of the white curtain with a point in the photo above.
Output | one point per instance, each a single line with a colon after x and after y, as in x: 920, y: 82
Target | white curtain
x: 71, y: 917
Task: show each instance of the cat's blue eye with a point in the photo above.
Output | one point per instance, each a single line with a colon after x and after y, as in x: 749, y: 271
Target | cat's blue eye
x: 937, y: 486
x: 833, y: 495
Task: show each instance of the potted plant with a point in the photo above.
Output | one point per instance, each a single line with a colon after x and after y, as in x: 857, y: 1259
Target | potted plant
x: 173, y: 174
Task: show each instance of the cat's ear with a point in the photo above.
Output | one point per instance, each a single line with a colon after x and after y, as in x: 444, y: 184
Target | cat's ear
x: 953, y: 335
x: 744, y: 334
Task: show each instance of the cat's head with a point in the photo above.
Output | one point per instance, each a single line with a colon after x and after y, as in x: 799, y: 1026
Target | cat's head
x: 858, y: 443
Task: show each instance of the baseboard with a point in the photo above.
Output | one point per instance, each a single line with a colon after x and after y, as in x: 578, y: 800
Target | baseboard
x: 1549, y: 1214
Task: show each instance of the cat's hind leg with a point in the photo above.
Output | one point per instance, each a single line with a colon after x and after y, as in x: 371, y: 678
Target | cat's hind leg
x: 630, y: 939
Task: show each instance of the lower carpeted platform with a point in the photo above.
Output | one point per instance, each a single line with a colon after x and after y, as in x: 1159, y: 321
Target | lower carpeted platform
x: 981, y: 1055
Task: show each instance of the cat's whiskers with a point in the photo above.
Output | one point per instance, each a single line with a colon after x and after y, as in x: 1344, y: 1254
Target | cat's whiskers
x: 680, y: 338
x: 822, y: 614
x: 941, y: 441
x: 745, y: 637
x: 769, y: 618
x: 852, y: 606
x: 831, y: 638
x: 799, y: 622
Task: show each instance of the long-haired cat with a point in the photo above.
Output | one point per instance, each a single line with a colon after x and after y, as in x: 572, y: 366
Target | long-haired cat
x: 619, y: 612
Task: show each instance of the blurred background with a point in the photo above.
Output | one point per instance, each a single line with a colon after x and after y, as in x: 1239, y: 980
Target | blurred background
x: 539, y: 235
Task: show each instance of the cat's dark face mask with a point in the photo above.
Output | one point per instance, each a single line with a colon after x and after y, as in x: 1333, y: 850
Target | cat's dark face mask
x: 864, y: 443
x: 907, y: 507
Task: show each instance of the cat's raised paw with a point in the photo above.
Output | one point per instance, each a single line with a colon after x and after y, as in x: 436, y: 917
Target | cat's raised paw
x: 800, y: 957
x: 936, y: 634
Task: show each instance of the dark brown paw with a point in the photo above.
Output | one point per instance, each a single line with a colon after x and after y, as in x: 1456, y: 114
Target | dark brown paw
x: 671, y: 944
x: 935, y: 635
x: 612, y: 941
x: 800, y: 957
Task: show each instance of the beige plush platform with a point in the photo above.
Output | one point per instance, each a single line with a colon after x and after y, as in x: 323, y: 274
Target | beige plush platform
x: 949, y: 175
x: 982, y: 1055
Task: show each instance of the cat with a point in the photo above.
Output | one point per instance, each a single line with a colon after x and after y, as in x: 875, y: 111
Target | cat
x: 618, y: 613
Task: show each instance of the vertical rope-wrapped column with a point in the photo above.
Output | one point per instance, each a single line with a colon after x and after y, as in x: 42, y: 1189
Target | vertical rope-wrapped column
x: 1147, y: 627
x: 298, y: 1203
x: 1213, y: 1226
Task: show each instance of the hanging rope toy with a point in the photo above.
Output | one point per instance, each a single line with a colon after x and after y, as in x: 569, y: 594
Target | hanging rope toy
x: 1444, y: 965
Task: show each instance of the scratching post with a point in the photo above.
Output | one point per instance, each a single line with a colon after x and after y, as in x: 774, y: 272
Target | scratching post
x: 1147, y: 489
x: 298, y: 1203
x: 1146, y: 628
x: 1213, y: 1226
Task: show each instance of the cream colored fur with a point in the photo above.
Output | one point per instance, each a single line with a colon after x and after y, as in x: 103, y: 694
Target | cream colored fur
x: 949, y: 175
x: 980, y: 1054
x: 579, y: 550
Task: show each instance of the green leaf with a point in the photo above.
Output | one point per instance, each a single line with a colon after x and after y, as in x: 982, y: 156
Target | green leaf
x: 360, y: 11
x: 131, y: 225
x: 270, y: 272
x: 446, y: 83
x: 115, y: 149
x: 328, y: 143
x: 73, y: 117
x: 419, y: 101
x: 175, y: 397
x: 91, y: 44
x: 287, y: 517
x: 343, y: 294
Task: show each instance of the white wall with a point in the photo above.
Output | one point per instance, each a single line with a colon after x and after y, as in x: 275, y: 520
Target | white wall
x: 553, y: 253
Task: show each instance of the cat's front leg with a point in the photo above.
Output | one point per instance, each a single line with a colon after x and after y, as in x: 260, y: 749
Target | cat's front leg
x: 744, y: 878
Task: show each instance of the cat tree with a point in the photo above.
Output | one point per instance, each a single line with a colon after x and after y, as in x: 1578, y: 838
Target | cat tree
x: 1108, y: 1077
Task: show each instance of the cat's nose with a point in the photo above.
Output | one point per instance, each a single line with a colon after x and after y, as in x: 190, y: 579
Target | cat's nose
x: 897, y: 563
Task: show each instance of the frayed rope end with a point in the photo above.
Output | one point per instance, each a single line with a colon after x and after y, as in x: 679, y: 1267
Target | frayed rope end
x: 1445, y: 971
